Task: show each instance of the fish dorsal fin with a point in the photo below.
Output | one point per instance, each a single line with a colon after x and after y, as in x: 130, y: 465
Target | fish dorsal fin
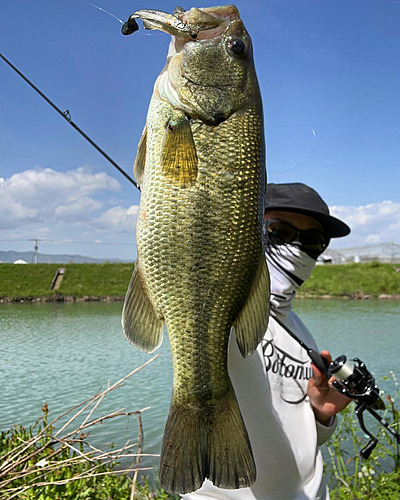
x: 140, y: 160
x: 179, y: 157
x: 141, y: 323
x: 252, y: 321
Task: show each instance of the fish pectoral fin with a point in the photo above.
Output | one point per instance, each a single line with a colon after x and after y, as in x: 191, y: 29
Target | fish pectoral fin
x: 141, y: 324
x: 252, y: 321
x: 179, y: 157
x: 140, y: 160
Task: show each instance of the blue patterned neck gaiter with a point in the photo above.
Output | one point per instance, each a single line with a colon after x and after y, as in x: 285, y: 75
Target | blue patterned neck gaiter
x: 289, y: 267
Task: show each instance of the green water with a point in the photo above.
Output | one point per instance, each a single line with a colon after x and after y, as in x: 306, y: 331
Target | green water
x: 63, y: 353
x: 367, y: 329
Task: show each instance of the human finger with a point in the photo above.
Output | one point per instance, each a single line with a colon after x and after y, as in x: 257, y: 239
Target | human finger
x: 327, y: 355
x: 319, y: 378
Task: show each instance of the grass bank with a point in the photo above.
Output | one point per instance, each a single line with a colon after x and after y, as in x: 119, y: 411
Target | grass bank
x: 81, y: 281
x: 372, y: 280
x: 110, y: 281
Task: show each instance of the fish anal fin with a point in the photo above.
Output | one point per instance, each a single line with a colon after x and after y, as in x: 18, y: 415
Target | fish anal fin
x: 141, y: 324
x: 140, y: 160
x: 252, y: 321
x: 179, y: 157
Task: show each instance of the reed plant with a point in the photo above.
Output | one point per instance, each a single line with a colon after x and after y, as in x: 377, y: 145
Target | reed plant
x: 57, y: 460
x: 354, y: 478
x: 44, y: 462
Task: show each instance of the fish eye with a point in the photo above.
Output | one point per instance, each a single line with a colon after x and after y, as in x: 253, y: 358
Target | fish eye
x: 237, y: 46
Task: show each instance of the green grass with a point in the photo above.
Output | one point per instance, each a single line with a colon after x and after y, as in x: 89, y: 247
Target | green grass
x: 353, y: 280
x: 63, y: 474
x: 25, y: 282
x: 96, y: 279
x: 378, y: 477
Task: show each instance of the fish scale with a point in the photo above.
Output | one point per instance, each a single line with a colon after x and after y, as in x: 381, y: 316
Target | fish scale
x: 200, y: 268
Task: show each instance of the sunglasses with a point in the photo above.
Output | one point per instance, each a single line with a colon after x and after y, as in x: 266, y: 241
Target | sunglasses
x: 280, y: 232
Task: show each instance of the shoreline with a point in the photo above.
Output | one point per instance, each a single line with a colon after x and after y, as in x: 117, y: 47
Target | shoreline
x: 109, y: 282
x: 118, y: 298
x: 62, y: 298
x: 353, y: 296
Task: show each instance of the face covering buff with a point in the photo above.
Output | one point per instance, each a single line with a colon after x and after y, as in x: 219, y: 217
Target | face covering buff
x: 289, y: 267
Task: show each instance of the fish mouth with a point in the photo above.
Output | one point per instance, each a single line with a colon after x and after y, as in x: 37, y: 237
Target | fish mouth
x: 188, y: 81
x: 213, y: 48
x: 207, y: 18
x: 196, y: 23
x: 209, y: 22
x: 209, y: 85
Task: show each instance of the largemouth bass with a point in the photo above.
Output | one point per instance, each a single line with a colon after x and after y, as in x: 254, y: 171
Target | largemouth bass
x: 200, y: 268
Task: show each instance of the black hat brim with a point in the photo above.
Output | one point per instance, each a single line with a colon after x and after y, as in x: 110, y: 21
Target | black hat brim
x: 333, y: 227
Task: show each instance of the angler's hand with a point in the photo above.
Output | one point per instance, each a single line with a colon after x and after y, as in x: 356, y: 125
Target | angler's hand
x: 325, y: 400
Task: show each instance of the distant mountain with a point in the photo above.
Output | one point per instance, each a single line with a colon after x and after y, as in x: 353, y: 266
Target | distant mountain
x: 12, y: 256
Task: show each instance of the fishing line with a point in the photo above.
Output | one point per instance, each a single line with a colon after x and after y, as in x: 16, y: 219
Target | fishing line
x: 105, y: 11
x: 309, y: 155
x: 115, y: 17
x: 67, y: 116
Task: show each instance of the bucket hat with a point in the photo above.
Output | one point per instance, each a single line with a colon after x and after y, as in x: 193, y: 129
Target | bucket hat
x: 300, y: 198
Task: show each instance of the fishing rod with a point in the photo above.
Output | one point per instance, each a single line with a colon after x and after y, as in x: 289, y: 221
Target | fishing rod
x: 354, y: 380
x: 67, y: 116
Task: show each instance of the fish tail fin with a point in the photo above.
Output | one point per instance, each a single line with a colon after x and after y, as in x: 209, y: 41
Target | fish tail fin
x: 231, y: 461
x: 206, y: 442
x: 183, y: 464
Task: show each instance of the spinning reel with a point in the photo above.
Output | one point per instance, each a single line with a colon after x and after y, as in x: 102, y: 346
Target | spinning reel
x: 352, y: 379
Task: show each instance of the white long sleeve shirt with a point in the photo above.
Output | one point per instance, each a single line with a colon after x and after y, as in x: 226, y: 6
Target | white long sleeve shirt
x: 271, y: 387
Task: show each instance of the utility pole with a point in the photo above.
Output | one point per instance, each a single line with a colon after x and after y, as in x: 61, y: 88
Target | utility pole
x: 36, y: 247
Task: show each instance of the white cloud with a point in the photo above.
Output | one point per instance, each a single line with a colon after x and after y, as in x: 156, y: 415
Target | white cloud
x: 118, y: 217
x: 71, y: 205
x: 372, y: 223
x: 47, y: 196
x: 68, y: 210
x: 373, y: 238
x: 77, y: 211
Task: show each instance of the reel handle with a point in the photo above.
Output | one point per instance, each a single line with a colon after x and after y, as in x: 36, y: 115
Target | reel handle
x: 373, y: 441
x: 367, y: 450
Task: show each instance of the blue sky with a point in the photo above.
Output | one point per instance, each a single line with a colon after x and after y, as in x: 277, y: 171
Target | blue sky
x: 329, y: 74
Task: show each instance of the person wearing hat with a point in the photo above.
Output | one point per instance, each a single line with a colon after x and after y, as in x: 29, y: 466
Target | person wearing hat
x: 287, y: 404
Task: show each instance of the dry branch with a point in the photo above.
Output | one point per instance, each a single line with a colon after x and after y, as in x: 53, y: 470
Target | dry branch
x: 16, y: 465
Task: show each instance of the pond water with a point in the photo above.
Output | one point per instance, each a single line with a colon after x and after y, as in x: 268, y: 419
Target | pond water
x: 63, y: 353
